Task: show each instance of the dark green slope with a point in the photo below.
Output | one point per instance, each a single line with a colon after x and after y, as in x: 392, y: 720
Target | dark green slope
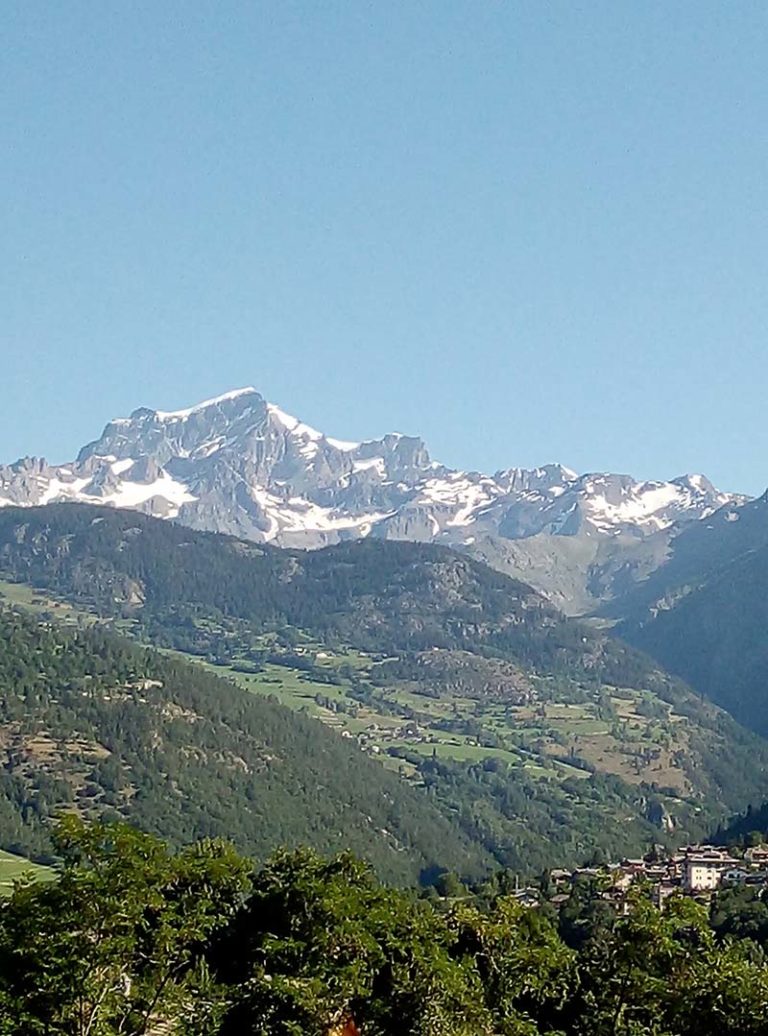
x: 541, y: 737
x: 376, y: 595
x: 716, y: 637
x: 747, y: 828
x: 91, y: 722
x: 704, y: 614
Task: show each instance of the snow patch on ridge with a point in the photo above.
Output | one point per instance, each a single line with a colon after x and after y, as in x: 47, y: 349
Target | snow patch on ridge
x: 126, y: 494
x: 342, y: 444
x: 133, y: 494
x: 377, y: 464
x: 56, y: 489
x: 641, y: 505
x: 298, y: 515
x: 182, y: 415
x: 293, y: 424
x: 461, y: 494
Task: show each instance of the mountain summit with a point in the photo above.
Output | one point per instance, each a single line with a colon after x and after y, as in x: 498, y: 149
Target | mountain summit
x: 239, y: 464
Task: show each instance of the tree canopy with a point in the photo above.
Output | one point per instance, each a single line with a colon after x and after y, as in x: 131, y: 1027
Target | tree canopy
x: 136, y: 939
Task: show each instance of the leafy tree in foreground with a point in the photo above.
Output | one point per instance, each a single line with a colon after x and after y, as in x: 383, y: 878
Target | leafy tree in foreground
x: 115, y: 944
x: 135, y: 940
x: 320, y: 941
x: 741, y: 913
x: 662, y: 974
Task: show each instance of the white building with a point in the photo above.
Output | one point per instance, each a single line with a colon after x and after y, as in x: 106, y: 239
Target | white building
x: 703, y: 868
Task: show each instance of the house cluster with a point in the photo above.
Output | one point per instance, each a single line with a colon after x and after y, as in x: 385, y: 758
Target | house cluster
x: 695, y: 870
x: 409, y: 732
x: 367, y: 739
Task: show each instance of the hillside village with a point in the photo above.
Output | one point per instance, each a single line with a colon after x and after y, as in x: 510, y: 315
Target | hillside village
x: 696, y: 871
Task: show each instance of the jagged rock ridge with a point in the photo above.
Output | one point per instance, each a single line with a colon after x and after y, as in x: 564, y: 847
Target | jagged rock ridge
x: 240, y: 465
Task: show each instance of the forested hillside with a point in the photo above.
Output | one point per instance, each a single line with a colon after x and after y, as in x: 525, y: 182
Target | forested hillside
x: 747, y: 828
x: 93, y: 724
x: 541, y: 738
x: 376, y: 596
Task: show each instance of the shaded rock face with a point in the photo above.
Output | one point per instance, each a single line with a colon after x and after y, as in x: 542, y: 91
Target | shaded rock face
x: 240, y: 465
x: 660, y: 817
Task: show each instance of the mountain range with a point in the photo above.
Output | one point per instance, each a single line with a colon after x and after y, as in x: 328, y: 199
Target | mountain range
x: 240, y: 465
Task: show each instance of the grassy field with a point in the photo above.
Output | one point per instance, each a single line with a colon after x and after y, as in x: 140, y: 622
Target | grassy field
x: 13, y: 868
x: 19, y: 595
x: 550, y: 739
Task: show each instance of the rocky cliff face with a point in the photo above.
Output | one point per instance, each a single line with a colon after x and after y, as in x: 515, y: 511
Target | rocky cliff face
x: 238, y: 464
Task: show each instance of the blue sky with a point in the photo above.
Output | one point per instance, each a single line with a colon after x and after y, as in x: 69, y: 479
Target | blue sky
x: 526, y: 231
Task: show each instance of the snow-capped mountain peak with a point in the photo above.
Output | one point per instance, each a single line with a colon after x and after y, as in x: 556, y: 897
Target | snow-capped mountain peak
x: 238, y: 464
x: 207, y: 404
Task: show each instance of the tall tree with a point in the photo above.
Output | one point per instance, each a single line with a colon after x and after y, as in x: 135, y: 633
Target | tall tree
x: 115, y: 945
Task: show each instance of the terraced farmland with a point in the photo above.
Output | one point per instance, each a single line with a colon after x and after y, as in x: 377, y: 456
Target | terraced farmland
x: 627, y: 733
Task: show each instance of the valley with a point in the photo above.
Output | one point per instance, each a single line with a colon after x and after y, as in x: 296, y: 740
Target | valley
x: 536, y: 737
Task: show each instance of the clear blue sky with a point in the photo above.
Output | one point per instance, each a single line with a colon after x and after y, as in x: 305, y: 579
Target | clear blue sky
x: 528, y: 231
